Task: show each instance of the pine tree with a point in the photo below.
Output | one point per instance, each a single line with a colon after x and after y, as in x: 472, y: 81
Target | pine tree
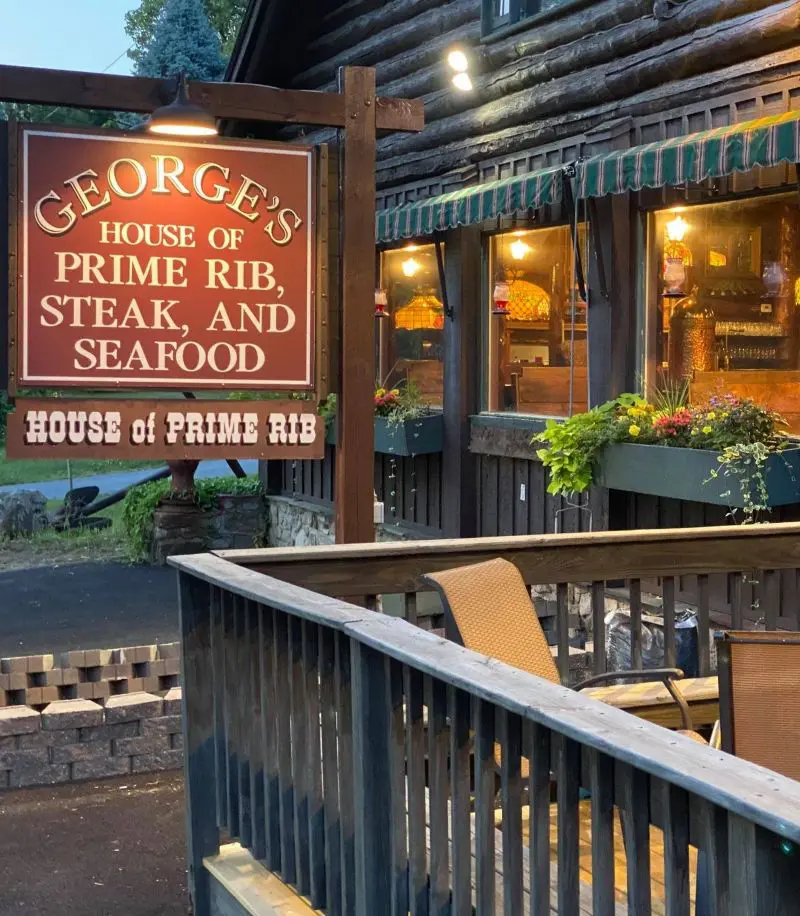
x: 183, y: 42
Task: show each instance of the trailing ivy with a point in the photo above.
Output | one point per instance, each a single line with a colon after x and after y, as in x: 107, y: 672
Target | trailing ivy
x: 141, y: 502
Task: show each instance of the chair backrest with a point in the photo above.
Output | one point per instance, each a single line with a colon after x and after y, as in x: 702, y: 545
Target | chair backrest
x: 488, y: 609
x: 759, y: 694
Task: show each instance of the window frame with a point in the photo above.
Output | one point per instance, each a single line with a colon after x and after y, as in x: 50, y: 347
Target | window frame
x: 522, y: 15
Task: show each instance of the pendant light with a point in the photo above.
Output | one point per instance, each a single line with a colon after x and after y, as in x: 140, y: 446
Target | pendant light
x: 182, y: 118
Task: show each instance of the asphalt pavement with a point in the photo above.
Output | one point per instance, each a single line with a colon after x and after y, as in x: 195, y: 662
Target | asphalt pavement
x: 110, y: 848
x: 86, y: 606
x: 110, y: 483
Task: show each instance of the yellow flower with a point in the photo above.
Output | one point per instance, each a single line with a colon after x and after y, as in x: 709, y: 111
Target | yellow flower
x: 725, y: 414
x: 633, y: 430
x: 707, y: 430
x: 711, y: 415
x: 695, y: 432
x: 395, y: 392
x: 632, y: 412
x: 380, y: 392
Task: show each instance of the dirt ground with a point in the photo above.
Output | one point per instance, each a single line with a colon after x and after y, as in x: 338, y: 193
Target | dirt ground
x: 110, y: 848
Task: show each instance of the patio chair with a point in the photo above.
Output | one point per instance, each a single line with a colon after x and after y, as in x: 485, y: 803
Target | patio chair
x: 760, y: 671
x: 488, y: 608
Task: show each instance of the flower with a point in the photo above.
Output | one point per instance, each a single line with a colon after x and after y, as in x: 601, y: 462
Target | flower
x: 707, y: 430
x: 633, y: 430
x: 711, y: 415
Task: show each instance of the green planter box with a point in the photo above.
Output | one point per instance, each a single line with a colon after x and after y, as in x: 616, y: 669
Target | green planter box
x: 414, y: 437
x: 680, y: 473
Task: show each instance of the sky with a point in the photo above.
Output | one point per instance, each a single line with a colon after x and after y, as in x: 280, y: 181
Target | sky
x: 65, y: 34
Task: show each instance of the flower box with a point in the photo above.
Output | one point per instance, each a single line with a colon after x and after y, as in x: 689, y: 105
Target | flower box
x: 411, y: 437
x: 685, y: 473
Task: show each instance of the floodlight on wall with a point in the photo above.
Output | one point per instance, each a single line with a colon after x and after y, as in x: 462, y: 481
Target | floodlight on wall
x: 181, y: 118
x: 459, y: 63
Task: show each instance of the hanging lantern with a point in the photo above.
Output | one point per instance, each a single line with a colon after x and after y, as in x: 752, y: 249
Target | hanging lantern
x: 381, y: 302
x: 501, y: 297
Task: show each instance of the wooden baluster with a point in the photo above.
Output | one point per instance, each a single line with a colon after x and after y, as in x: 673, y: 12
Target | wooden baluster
x: 601, y: 782
x: 459, y: 711
x: 599, y: 626
x: 415, y: 757
x: 436, y: 701
x: 539, y: 798
x: 668, y: 595
x: 771, y: 597
x: 411, y: 607
x: 283, y: 739
x: 243, y: 700
x: 635, y: 589
x: 511, y: 797
x: 397, y: 756
x: 256, y: 723
x: 300, y: 763
x: 713, y: 855
x: 330, y: 774
x: 218, y: 680
x: 675, y: 803
x: 266, y: 641
x: 634, y: 792
x: 484, y: 808
x: 562, y: 629
x: 764, y: 877
x: 231, y: 713
x: 346, y: 774
x: 703, y: 627
x: 371, y: 780
x: 568, y: 776
x: 737, y: 600
x: 198, y: 734
x: 316, y: 815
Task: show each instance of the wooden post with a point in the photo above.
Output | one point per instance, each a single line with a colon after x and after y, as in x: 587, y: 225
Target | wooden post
x: 356, y: 431
x: 462, y: 368
x: 200, y: 775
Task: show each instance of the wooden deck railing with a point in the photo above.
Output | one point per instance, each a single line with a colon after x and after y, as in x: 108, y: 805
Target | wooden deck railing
x: 758, y: 565
x: 357, y: 756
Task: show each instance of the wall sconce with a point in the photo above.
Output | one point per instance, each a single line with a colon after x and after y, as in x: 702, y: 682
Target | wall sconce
x: 458, y: 61
x: 677, y: 229
x: 519, y: 249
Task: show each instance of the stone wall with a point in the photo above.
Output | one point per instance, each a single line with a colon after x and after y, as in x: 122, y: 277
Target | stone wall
x: 296, y: 523
x: 236, y: 522
x: 71, y: 740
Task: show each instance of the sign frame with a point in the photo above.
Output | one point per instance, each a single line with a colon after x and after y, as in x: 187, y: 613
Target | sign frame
x: 316, y: 382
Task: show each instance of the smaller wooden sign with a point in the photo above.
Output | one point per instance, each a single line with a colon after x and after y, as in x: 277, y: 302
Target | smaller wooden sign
x: 165, y: 430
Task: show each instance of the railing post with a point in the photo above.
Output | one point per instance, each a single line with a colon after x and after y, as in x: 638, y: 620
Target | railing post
x: 371, y: 780
x: 200, y: 775
x: 764, y: 877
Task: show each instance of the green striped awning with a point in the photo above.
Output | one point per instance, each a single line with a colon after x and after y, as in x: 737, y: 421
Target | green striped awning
x: 693, y: 158
x: 469, y: 205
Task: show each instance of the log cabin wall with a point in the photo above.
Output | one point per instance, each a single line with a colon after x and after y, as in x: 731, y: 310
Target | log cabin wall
x: 585, y: 78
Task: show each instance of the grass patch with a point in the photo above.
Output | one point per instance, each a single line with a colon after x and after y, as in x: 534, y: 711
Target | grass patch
x: 34, y: 470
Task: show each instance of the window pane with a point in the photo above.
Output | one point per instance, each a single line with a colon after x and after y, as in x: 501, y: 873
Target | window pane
x: 410, y: 339
x: 723, y: 295
x: 533, y: 338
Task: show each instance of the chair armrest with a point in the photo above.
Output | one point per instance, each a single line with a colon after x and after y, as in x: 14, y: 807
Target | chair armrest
x: 646, y: 674
x: 666, y: 675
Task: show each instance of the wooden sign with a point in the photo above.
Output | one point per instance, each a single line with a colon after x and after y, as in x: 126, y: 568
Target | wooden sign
x: 170, y: 430
x: 146, y: 262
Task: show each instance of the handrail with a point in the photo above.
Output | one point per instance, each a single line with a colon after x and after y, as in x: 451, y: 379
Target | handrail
x: 363, y: 569
x: 750, y: 791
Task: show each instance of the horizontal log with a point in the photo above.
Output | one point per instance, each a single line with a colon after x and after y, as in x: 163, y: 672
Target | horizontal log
x: 404, y: 36
x: 335, y: 41
x: 242, y: 101
x: 629, y: 42
x: 393, y: 170
x: 358, y: 569
x: 735, y: 40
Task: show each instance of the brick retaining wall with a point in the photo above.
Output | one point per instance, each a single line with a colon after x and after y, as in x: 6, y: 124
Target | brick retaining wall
x: 81, y: 739
x: 93, y: 674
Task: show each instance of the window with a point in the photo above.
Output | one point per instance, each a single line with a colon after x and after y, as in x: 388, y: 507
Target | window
x: 537, y: 352
x: 723, y: 291
x: 500, y: 13
x: 410, y: 338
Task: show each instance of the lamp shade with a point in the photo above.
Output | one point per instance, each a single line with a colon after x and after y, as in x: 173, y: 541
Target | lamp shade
x: 182, y: 118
